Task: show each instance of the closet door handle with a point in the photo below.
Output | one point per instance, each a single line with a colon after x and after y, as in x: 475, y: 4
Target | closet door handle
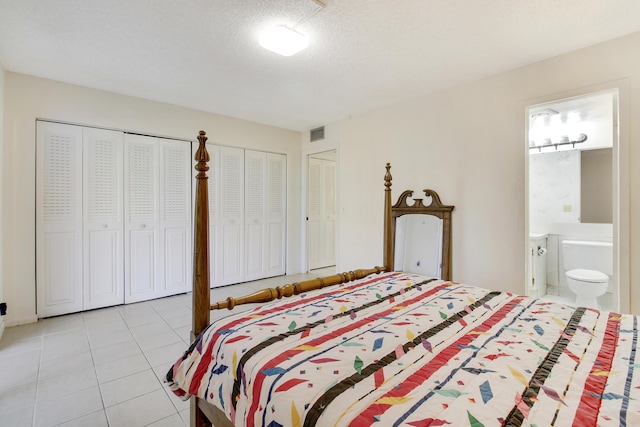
x: 143, y: 225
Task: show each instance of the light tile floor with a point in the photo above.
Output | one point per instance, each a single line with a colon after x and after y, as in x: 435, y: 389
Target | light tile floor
x: 105, y: 367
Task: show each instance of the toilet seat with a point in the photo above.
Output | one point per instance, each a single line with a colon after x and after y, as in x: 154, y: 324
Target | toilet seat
x: 591, y: 276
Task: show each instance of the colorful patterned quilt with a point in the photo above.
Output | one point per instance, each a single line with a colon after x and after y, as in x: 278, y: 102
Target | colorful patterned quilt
x: 398, y: 349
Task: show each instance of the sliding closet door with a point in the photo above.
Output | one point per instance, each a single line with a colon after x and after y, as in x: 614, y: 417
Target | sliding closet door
x: 142, y: 241
x: 58, y: 218
x: 103, y: 227
x: 175, y: 213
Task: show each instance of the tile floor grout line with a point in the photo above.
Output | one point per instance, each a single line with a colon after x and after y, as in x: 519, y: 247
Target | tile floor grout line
x: 92, y: 323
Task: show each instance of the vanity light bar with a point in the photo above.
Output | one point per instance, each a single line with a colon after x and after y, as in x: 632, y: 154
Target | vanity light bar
x: 582, y: 138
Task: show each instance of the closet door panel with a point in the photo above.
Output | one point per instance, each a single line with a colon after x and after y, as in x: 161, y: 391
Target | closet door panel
x: 58, y: 218
x: 104, y: 280
x: 142, y: 265
x: 275, y: 250
x: 255, y: 251
x: 142, y: 246
x: 103, y: 226
x: 176, y: 265
x: 60, y: 288
x: 231, y: 213
x: 276, y: 190
x: 232, y: 253
x: 175, y: 209
x: 215, y: 234
x: 255, y: 164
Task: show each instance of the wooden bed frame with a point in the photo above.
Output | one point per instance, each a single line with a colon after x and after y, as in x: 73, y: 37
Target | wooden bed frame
x: 204, y: 414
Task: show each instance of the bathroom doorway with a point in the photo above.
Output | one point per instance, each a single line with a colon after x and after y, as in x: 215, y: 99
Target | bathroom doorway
x: 573, y: 189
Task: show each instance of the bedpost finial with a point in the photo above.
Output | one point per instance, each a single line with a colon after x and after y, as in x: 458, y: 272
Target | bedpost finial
x: 202, y: 156
x: 387, y: 177
x: 202, y: 137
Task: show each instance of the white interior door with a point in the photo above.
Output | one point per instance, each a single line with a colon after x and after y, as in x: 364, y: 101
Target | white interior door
x: 175, y: 213
x: 321, y: 211
x: 58, y: 218
x: 103, y: 227
x: 142, y: 243
x: 315, y: 213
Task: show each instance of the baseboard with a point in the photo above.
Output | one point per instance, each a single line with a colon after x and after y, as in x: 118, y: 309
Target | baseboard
x: 20, y: 321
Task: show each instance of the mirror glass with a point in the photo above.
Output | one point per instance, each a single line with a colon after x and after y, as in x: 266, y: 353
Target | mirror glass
x: 419, y: 244
x: 572, y: 187
x: 571, y: 160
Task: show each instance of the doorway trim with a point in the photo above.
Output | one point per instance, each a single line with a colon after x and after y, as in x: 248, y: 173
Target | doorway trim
x: 304, y: 231
x: 621, y: 184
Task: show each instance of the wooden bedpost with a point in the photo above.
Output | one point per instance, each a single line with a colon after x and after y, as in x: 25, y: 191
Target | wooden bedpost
x: 388, y: 223
x: 201, y: 295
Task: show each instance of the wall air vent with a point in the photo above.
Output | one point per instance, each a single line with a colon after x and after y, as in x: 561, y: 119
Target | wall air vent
x: 316, y: 134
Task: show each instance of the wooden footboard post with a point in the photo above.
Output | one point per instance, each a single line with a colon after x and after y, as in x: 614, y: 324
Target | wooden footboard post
x: 201, y: 298
x: 388, y: 242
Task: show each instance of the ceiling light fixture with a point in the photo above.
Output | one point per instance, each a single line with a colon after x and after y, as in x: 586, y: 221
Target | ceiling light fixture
x: 283, y: 40
x: 286, y: 41
x: 548, y: 129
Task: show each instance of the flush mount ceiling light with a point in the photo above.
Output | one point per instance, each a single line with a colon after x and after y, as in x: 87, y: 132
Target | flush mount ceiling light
x: 283, y: 40
x: 286, y: 41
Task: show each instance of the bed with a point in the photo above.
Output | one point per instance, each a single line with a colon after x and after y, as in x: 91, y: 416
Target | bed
x: 384, y: 347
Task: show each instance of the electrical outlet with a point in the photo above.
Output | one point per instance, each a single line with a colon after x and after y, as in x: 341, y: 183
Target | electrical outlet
x: 567, y: 208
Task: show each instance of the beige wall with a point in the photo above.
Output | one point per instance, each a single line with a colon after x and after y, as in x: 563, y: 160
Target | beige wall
x: 468, y: 143
x: 28, y: 98
x: 1, y: 198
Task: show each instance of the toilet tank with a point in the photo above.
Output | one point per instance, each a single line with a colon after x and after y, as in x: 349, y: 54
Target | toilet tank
x: 589, y: 255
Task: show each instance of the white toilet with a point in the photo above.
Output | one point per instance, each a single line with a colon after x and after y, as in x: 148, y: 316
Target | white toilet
x: 587, y: 266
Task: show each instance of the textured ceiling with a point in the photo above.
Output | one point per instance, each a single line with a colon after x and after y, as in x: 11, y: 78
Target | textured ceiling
x: 363, y: 54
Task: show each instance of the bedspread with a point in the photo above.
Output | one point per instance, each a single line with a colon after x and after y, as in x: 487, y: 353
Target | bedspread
x: 399, y: 349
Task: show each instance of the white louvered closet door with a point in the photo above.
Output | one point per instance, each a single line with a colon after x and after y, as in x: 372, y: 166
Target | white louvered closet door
x: 175, y: 214
x: 255, y: 172
x: 276, y: 214
x: 103, y: 227
x: 58, y: 218
x: 231, y: 229
x: 215, y: 240
x: 143, y: 255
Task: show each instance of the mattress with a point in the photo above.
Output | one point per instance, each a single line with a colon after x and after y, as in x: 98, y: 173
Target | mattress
x: 397, y: 349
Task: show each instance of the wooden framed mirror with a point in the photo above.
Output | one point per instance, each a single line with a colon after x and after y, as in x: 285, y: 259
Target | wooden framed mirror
x: 423, y: 230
